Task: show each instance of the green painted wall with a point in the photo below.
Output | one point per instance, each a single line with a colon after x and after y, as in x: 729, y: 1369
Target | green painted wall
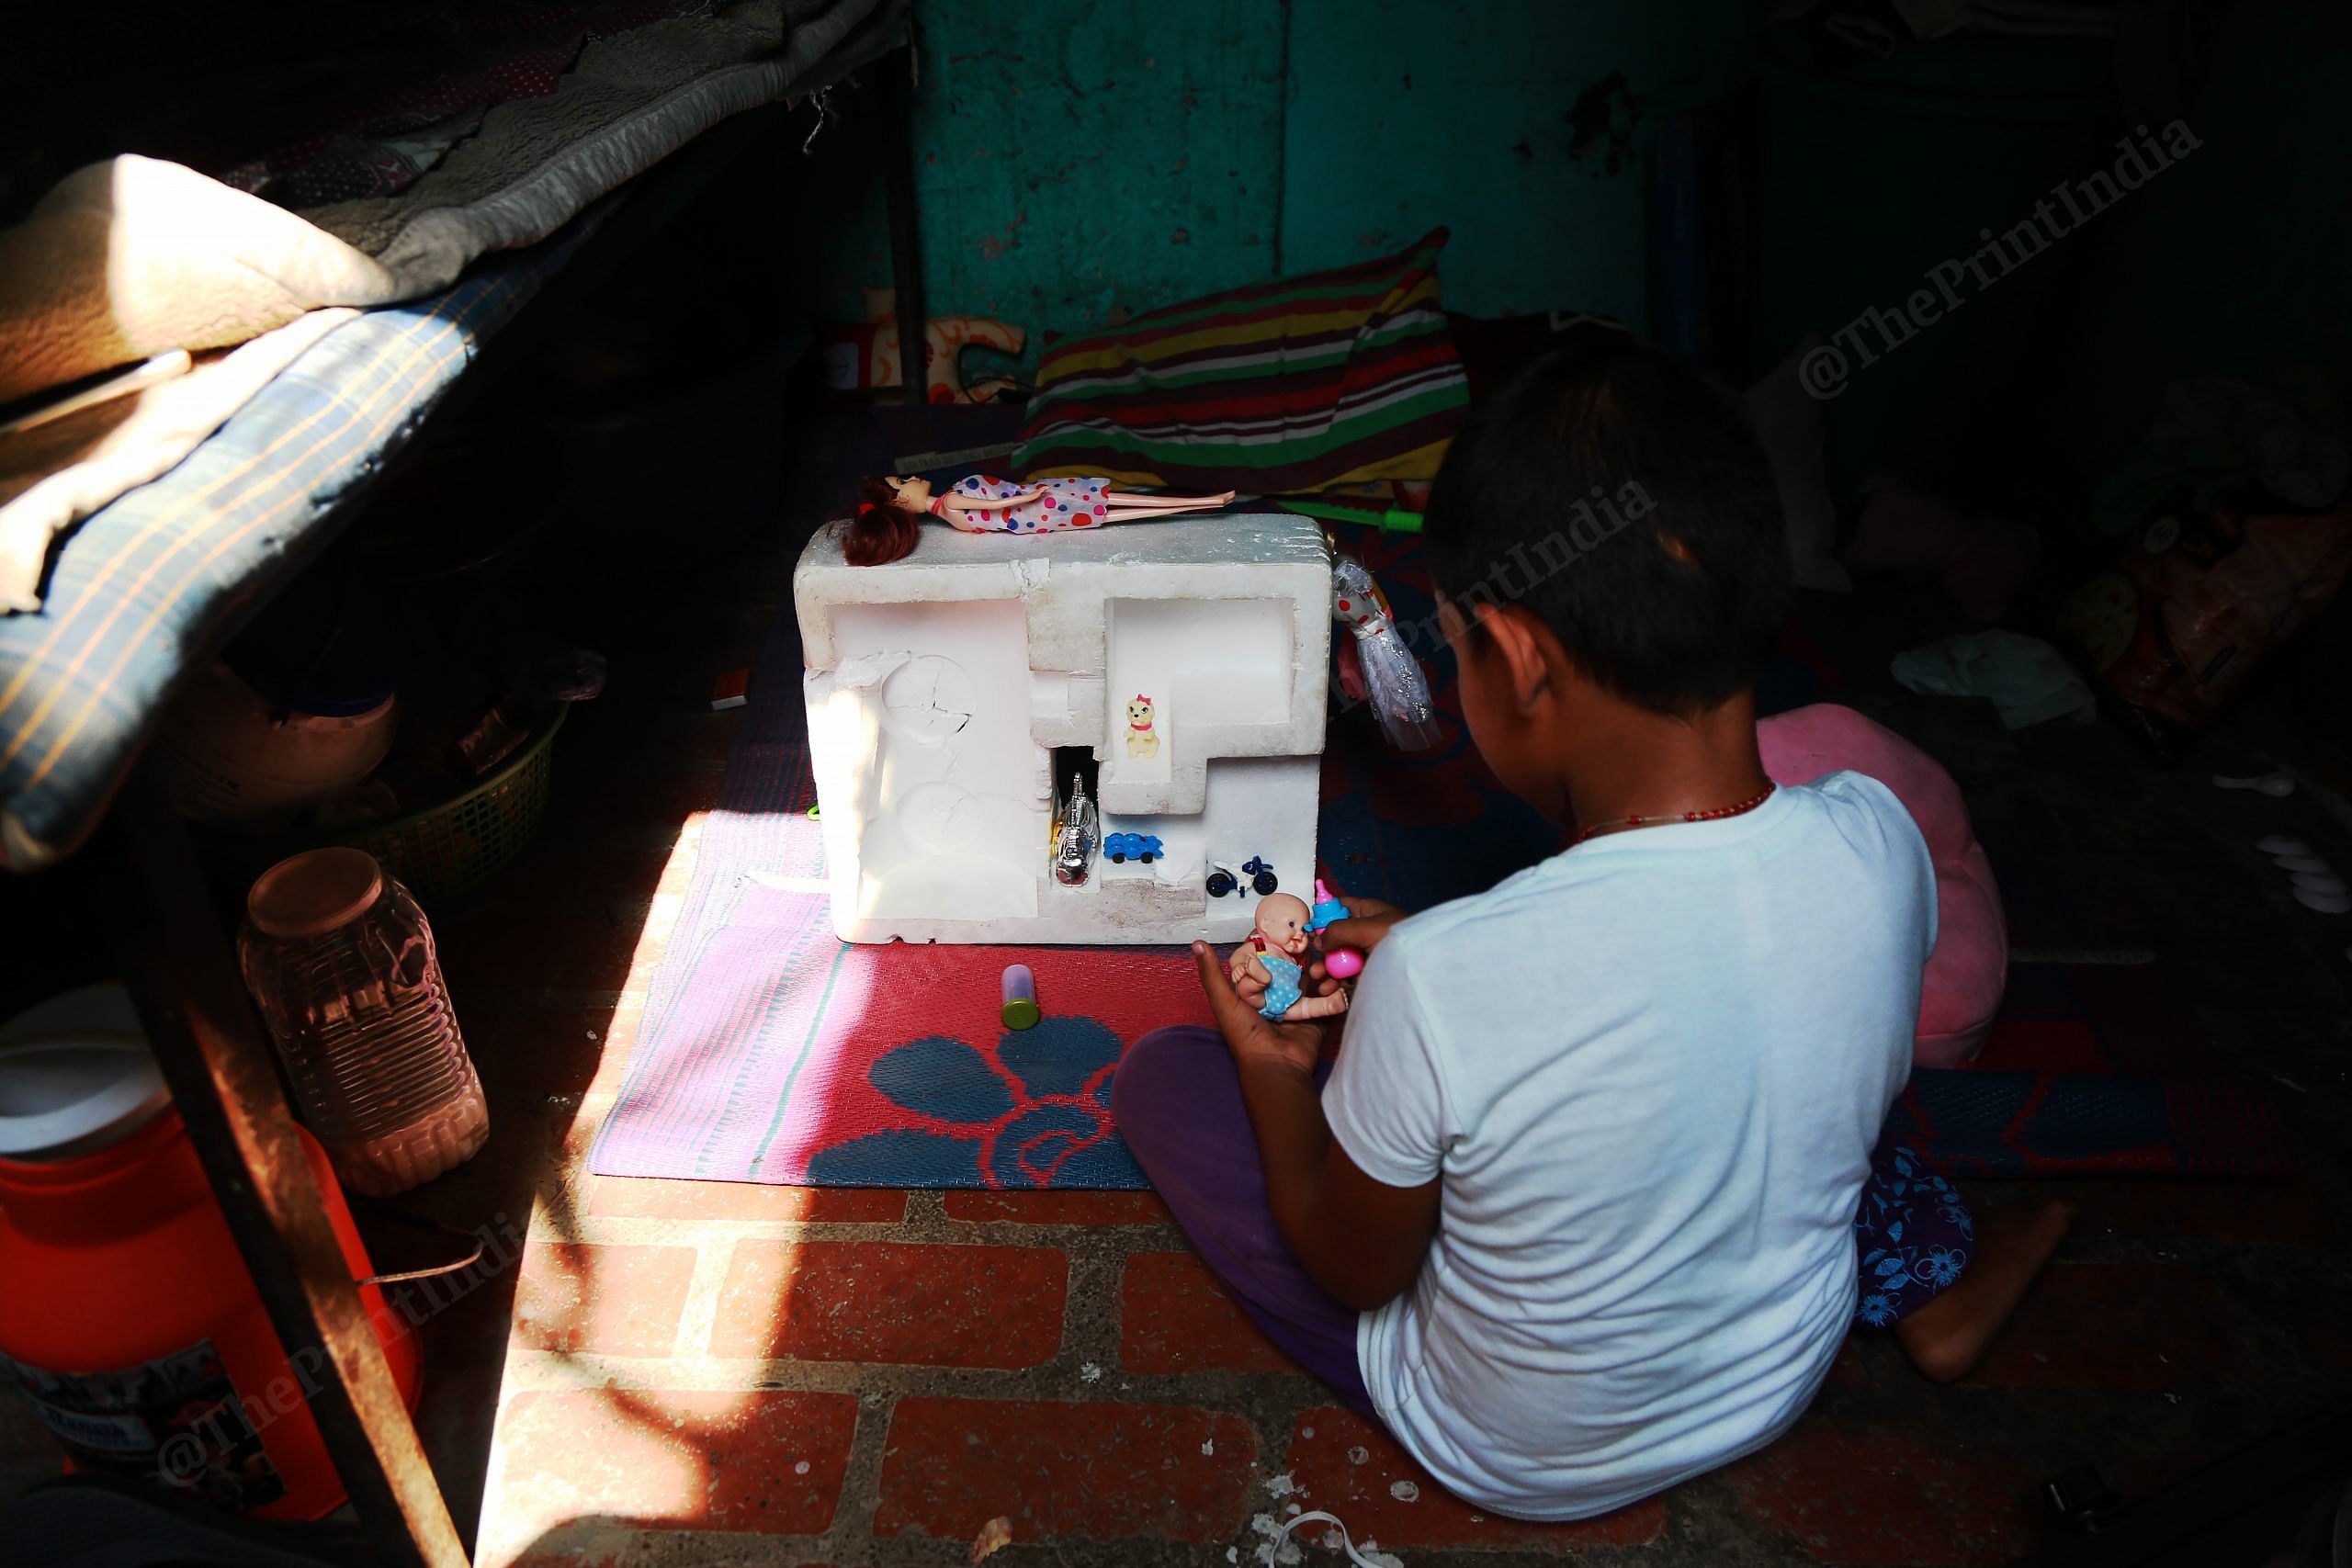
x: 1500, y: 120
x: 1078, y: 162
x: 1072, y: 158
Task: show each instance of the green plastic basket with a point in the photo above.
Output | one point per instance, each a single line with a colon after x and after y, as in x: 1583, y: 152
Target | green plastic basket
x: 439, y: 852
x: 456, y: 846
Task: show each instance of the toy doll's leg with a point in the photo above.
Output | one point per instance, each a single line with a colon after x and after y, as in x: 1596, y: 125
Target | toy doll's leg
x: 1307, y: 1008
x: 1178, y: 1103
x: 1136, y: 497
x: 1153, y: 514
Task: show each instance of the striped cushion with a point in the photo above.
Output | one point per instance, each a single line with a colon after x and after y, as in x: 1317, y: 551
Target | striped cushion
x: 1330, y: 378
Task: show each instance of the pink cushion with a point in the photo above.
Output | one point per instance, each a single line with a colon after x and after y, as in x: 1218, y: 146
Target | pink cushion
x: 1971, y: 963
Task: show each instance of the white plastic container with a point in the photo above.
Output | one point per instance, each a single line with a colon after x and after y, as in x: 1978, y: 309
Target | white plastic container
x: 234, y: 762
x: 341, y: 963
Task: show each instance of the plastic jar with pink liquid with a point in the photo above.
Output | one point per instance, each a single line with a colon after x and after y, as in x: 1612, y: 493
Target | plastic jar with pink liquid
x: 341, y: 963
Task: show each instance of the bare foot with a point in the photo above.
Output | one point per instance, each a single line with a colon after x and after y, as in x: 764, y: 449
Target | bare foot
x: 1947, y: 1337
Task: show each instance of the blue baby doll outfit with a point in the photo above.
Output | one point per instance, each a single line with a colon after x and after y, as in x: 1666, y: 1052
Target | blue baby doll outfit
x: 1282, y: 989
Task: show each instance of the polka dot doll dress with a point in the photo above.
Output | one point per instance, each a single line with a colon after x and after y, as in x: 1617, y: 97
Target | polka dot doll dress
x: 1060, y: 503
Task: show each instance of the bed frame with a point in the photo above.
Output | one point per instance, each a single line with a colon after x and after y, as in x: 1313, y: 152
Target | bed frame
x: 176, y: 956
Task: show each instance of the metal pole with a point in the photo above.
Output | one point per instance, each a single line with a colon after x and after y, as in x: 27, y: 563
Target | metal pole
x: 906, y: 231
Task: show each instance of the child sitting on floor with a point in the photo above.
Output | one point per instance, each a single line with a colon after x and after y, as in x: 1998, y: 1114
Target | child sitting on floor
x: 1576, y: 1212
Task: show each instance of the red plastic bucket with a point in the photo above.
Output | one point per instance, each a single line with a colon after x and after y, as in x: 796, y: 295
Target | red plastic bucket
x: 124, y: 1303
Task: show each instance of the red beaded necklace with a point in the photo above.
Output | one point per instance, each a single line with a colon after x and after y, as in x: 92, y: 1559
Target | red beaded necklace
x: 1716, y: 814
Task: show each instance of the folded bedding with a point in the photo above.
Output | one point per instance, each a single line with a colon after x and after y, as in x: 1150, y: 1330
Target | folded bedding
x: 443, y: 67
x: 136, y: 256
x: 1293, y: 385
x: 150, y: 584
x: 628, y: 101
x: 58, y: 471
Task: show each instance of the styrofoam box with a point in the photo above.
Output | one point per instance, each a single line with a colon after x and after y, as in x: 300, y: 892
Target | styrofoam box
x: 939, y: 687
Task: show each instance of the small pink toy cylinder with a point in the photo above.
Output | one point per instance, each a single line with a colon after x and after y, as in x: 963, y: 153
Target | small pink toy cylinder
x: 1019, y: 997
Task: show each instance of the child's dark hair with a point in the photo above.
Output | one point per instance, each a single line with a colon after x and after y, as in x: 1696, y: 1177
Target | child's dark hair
x: 883, y: 530
x: 1623, y: 498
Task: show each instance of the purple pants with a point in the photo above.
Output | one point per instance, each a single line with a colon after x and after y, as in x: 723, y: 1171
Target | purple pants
x: 1177, y: 1101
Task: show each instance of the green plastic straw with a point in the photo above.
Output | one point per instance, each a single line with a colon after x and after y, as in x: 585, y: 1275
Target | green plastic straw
x: 1394, y: 520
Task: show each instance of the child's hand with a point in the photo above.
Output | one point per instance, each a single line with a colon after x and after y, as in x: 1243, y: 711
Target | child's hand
x: 1368, y: 922
x: 1255, y: 1039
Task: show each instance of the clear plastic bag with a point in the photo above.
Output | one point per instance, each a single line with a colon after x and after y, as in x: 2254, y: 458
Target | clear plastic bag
x: 1394, y: 684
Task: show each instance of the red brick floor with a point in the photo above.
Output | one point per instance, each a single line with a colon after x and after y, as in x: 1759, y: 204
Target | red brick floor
x: 699, y: 1373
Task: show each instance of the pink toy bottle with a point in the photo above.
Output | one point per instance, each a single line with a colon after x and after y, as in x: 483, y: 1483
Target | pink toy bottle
x: 1340, y: 962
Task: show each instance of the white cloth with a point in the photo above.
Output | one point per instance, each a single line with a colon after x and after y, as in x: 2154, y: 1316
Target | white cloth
x: 135, y: 256
x: 1648, y: 1073
x: 2028, y: 680
x: 55, y: 474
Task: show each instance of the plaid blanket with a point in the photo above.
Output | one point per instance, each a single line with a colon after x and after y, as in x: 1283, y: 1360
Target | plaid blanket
x: 152, y: 583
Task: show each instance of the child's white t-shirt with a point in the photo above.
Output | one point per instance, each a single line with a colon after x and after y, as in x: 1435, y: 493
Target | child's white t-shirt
x: 1650, y: 1072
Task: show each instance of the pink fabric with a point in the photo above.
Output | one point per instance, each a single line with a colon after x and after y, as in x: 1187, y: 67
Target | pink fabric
x: 1970, y: 964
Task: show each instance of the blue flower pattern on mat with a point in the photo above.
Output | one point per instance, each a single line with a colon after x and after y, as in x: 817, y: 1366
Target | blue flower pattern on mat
x: 1036, y: 1115
x: 1900, y: 1276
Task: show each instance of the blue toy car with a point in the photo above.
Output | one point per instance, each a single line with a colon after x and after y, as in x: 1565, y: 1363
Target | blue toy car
x: 1125, y: 847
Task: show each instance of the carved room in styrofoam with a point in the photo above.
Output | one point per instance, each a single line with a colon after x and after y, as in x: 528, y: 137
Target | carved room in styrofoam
x: 1074, y: 736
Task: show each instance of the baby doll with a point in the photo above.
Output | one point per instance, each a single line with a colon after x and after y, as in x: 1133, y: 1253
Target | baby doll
x: 1274, y: 953
x: 891, y: 513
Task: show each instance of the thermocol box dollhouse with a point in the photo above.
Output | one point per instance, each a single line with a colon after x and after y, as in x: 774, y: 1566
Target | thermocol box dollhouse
x: 1175, y: 670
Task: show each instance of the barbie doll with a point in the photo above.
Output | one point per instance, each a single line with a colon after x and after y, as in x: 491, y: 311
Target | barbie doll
x: 892, y: 510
